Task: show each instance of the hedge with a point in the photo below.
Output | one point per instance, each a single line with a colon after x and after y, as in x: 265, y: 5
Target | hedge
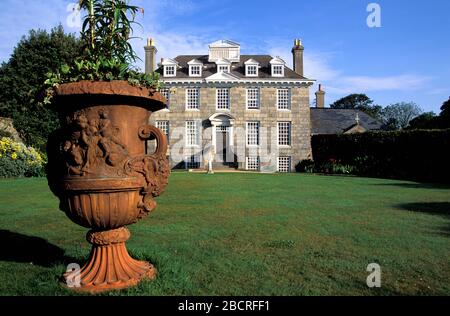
x: 420, y: 155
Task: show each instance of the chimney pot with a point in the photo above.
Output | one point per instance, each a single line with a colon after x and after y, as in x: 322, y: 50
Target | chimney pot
x: 297, y: 53
x: 320, y: 98
x: 150, y: 56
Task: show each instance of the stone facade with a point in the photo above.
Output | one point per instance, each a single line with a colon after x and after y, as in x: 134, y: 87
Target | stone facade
x: 212, y: 121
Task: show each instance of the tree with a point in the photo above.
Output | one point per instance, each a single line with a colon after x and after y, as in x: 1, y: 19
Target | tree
x: 445, y: 108
x: 445, y: 114
x: 358, y: 102
x: 22, y: 76
x: 352, y: 101
x: 427, y: 120
x: 398, y: 115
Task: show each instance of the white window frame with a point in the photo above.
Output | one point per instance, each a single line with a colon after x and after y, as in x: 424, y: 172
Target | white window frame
x: 289, y: 167
x: 287, y: 106
x: 247, y: 71
x: 191, y: 72
x: 164, y: 126
x: 189, y: 137
x: 170, y: 74
x: 190, y: 98
x: 252, y: 140
x: 166, y: 94
x: 257, y: 99
x: 279, y: 135
x: 276, y: 74
x: 223, y: 68
x: 221, y: 107
x: 249, y: 163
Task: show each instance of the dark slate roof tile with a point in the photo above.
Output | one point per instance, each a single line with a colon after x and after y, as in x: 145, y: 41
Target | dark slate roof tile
x: 237, y: 69
x: 337, y: 121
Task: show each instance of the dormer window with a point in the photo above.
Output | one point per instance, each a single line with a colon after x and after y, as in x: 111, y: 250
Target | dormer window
x: 195, y: 68
x: 224, y: 68
x: 169, y: 67
x: 195, y: 71
x: 277, y: 71
x: 169, y: 71
x: 252, y: 71
x: 251, y: 68
x: 223, y: 65
x: 277, y: 65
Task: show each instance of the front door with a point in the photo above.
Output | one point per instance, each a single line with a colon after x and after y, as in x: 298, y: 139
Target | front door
x: 222, y: 143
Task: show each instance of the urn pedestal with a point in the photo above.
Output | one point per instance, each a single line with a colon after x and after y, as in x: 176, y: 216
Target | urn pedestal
x: 105, y: 179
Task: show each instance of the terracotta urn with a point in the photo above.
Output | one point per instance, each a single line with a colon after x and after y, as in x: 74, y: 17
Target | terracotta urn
x: 105, y: 179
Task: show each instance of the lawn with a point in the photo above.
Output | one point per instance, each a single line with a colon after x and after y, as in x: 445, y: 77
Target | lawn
x: 247, y: 234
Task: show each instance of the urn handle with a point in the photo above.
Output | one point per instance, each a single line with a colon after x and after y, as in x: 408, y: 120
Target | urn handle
x: 150, y: 131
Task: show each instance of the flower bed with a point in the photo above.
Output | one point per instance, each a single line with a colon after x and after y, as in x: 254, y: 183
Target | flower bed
x: 19, y: 160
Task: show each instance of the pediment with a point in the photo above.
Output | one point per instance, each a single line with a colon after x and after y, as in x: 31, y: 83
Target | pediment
x: 222, y: 76
x: 224, y: 43
x: 169, y: 62
x: 251, y: 61
x: 277, y: 61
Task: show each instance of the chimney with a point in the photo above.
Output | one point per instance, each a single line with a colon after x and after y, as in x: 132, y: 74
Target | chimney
x: 320, y: 98
x: 150, y: 56
x: 297, y: 52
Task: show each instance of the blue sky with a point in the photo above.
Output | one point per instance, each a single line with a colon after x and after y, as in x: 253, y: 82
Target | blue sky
x: 407, y: 59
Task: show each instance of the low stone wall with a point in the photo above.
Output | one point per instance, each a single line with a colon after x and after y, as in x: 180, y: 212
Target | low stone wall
x: 6, y: 124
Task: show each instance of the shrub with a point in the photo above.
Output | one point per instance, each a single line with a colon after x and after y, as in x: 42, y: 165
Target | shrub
x: 418, y: 155
x: 18, y: 160
x: 307, y: 166
x: 5, y: 134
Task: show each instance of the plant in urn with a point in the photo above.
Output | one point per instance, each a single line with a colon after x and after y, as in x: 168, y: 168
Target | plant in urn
x: 99, y: 167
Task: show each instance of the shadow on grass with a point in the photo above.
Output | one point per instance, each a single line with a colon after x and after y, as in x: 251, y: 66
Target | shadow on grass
x: 433, y: 208
x: 413, y: 185
x: 28, y: 249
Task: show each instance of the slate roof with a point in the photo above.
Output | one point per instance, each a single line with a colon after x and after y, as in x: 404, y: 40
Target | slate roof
x: 237, y: 69
x: 338, y: 121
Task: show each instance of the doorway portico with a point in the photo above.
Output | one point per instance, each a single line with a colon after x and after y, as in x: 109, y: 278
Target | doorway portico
x: 223, y: 138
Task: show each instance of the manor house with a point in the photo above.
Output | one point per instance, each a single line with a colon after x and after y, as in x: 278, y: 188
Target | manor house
x: 228, y: 110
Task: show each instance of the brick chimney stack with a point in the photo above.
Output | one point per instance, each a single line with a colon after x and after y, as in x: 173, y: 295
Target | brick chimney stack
x: 297, y: 52
x: 150, y: 56
x: 320, y: 98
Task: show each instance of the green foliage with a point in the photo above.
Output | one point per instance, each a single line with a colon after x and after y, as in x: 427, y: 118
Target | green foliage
x: 107, y: 54
x: 416, y: 155
x: 358, y: 102
x: 445, y: 114
x: 306, y: 166
x: 18, y: 160
x: 427, y: 120
x: 21, y: 82
x: 329, y: 167
x: 399, y: 115
x: 5, y: 134
x: 352, y: 101
x: 445, y: 108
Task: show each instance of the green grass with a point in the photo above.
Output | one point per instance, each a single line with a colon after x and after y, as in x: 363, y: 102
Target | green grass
x: 247, y: 234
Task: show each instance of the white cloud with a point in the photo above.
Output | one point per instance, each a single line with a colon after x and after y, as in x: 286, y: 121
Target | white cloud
x: 363, y: 84
x: 172, y: 42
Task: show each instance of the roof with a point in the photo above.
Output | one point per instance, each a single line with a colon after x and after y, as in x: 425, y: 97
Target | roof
x: 338, y: 121
x: 237, y: 69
